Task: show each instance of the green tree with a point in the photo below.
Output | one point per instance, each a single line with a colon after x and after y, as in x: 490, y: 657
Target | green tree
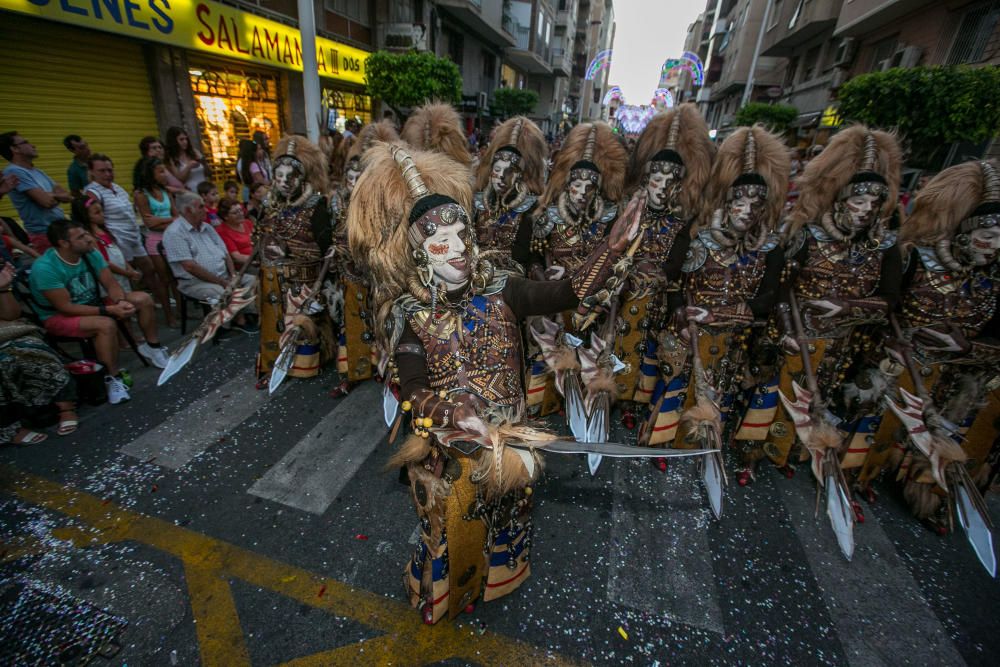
x: 775, y: 117
x: 509, y: 102
x: 931, y: 107
x: 407, y: 80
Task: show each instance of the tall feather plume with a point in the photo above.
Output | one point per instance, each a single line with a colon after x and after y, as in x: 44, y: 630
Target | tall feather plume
x: 437, y: 127
x: 770, y: 158
x: 824, y: 177
x: 378, y: 218
x: 608, y: 154
x: 530, y: 141
x: 944, y: 202
x: 689, y: 137
x: 369, y: 134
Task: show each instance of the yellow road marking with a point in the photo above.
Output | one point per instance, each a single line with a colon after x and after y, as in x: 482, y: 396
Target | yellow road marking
x: 209, y: 563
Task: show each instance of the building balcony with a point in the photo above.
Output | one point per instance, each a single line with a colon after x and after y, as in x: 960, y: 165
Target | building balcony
x: 562, y: 64
x: 529, y: 61
x: 798, y: 22
x: 565, y: 21
x: 863, y: 16
x: 483, y: 18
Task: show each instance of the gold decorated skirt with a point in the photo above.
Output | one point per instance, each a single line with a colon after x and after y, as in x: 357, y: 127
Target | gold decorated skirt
x: 765, y: 420
x: 458, y: 560
x: 355, y: 354
x: 312, y: 354
x: 722, y: 358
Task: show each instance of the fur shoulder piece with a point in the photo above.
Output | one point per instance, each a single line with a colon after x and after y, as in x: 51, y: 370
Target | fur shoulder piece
x: 795, y: 243
x: 478, y: 202
x: 528, y: 203
x: 888, y: 240
x: 610, y: 212
x: 437, y: 127
x: 772, y: 242
x: 545, y: 223
x: 697, y: 253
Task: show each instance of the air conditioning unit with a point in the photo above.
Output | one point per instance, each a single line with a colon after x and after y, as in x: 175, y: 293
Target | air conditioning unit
x: 721, y: 26
x: 845, y: 52
x: 909, y: 56
x: 484, y: 100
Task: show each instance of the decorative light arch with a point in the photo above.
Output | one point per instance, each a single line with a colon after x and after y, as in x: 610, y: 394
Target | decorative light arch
x: 601, y: 61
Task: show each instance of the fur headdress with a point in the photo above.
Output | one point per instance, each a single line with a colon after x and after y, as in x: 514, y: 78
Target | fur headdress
x: 378, y: 219
x: 751, y: 155
x: 307, y: 155
x: 437, y: 127
x: 369, y: 134
x: 852, y: 151
x: 595, y: 143
x: 523, y: 135
x: 683, y: 131
x: 954, y: 195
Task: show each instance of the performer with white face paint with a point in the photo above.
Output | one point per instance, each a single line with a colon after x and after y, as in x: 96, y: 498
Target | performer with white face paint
x: 949, y: 316
x: 845, y: 271
x: 510, y: 178
x: 357, y: 358
x: 293, y: 234
x: 671, y: 166
x: 454, y: 328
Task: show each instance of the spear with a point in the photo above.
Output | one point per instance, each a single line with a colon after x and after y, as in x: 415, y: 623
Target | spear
x: 924, y: 425
x: 219, y: 315
x: 287, y: 354
x: 821, y: 439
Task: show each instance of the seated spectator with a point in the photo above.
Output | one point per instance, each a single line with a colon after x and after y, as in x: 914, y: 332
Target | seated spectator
x: 255, y: 206
x: 36, y: 196
x: 13, y: 240
x: 198, y: 257
x: 120, y: 220
x: 151, y: 147
x: 64, y: 286
x: 31, y: 373
x: 89, y: 212
x: 235, y: 231
x: 210, y: 195
x: 77, y: 174
x: 156, y: 208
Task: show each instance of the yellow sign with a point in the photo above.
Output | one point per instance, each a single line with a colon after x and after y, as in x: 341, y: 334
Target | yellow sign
x: 204, y: 26
x: 829, y: 118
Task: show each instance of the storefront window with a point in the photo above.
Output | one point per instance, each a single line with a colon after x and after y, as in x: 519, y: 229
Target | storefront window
x: 232, y: 104
x: 347, y: 105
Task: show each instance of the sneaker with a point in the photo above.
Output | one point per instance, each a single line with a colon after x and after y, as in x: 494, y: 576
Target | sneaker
x: 117, y: 393
x: 157, y: 356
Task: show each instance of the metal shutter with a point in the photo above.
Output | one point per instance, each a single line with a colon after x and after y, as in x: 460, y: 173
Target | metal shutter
x: 58, y: 80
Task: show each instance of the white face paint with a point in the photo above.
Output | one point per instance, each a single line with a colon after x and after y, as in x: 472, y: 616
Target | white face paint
x: 500, y: 175
x: 446, y: 255
x: 350, y: 180
x: 742, y: 212
x: 287, y: 180
x: 860, y: 210
x: 983, y: 246
x: 656, y: 190
x: 581, y: 191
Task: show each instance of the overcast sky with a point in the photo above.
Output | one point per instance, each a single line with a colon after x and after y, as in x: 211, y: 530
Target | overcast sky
x: 647, y: 33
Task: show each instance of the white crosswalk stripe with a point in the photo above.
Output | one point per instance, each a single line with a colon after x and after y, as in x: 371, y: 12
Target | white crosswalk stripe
x: 178, y: 440
x: 877, y: 607
x: 311, y: 475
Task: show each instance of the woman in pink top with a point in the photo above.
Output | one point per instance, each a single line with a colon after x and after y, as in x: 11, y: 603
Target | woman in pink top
x: 155, y: 205
x: 235, y: 231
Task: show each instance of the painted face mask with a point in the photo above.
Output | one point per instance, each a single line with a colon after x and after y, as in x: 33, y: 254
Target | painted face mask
x: 744, y: 212
x: 288, y: 180
x: 504, y: 174
x: 351, y: 179
x: 858, y: 207
x: 441, y: 233
x: 581, y: 192
x: 979, y: 247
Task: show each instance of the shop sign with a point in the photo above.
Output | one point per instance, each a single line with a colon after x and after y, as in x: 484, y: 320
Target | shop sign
x: 204, y: 26
x: 830, y: 117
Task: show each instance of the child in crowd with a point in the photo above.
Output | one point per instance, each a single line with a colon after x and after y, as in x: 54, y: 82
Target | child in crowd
x: 89, y: 211
x: 210, y: 195
x: 255, y: 207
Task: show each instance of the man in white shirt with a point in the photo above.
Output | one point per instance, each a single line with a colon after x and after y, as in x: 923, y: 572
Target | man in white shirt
x: 121, y: 221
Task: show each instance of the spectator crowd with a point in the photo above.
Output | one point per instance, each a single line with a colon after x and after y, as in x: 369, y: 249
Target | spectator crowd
x: 99, y: 274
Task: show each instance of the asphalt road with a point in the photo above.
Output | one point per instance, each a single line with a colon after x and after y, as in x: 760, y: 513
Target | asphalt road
x: 231, y: 528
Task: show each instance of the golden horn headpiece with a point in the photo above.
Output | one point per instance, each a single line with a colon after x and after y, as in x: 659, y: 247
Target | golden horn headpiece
x: 414, y: 183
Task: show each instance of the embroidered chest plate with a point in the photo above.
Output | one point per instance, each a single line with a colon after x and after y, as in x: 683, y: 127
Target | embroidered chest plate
x: 937, y: 296
x: 722, y: 278
x: 839, y: 270
x: 286, y: 235
x: 476, y: 350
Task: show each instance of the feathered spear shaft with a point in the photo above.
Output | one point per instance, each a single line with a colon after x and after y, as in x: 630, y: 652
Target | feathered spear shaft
x: 926, y: 431
x: 702, y: 423
x: 822, y: 441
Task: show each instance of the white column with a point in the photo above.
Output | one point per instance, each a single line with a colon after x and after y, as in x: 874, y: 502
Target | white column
x: 310, y: 70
